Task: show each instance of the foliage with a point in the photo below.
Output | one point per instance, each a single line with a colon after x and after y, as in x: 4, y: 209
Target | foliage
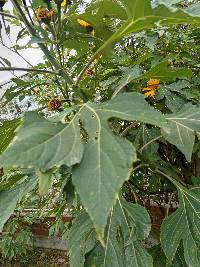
x: 114, y: 118
x: 15, y: 240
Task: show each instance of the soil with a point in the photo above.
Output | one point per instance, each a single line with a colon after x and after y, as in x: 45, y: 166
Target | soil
x: 39, y: 258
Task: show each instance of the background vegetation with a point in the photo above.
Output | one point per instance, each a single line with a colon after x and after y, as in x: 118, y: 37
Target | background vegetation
x: 108, y: 125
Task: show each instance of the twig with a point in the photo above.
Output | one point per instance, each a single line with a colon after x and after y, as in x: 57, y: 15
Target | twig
x: 32, y: 31
x: 28, y: 69
x: 15, y: 51
x: 8, y: 15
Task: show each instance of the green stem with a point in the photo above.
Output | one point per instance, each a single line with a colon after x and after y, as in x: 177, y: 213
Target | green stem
x: 8, y: 15
x: 32, y: 31
x: 27, y: 69
x: 85, y: 68
x: 14, y: 50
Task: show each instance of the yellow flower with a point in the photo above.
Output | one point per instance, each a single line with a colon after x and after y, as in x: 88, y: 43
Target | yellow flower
x: 64, y: 3
x: 152, y: 85
x: 149, y: 88
x: 153, y: 82
x: 84, y: 23
x: 150, y: 93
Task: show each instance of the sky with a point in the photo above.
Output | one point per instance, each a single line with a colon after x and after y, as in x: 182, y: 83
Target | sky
x: 32, y: 55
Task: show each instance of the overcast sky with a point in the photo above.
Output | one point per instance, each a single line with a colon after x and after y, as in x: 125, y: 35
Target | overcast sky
x: 32, y: 55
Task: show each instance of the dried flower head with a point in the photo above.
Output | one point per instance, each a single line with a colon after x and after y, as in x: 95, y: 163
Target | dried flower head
x: 44, y: 13
x: 54, y: 104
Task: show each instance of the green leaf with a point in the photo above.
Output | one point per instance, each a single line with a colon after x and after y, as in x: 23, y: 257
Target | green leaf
x: 160, y: 260
x: 45, y: 179
x: 11, y: 180
x: 127, y: 226
x: 186, y: 227
x: 128, y: 223
x: 177, y: 86
x: 160, y: 71
x: 81, y: 239
x: 179, y: 260
x: 9, y: 198
x: 166, y: 73
x: 131, y: 74
x: 99, y: 176
x: 7, y: 133
x: 19, y: 82
x: 141, y: 16
x: 194, y: 10
x: 6, y: 61
x: 95, y: 257
x: 181, y: 129
x: 173, y: 101
x: 43, y: 144
x: 142, y: 135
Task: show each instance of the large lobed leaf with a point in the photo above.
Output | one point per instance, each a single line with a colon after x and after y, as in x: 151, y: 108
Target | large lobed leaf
x: 81, y: 239
x: 128, y: 223
x: 160, y: 260
x: 181, y: 129
x: 7, y: 133
x: 186, y: 227
x: 43, y: 144
x: 9, y: 198
x: 141, y: 16
x: 127, y: 226
x: 106, y: 161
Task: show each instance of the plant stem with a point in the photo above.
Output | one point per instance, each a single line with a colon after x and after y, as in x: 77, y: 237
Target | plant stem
x: 8, y: 15
x: 9, y: 70
x: 32, y: 31
x: 27, y: 69
x: 15, y: 51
